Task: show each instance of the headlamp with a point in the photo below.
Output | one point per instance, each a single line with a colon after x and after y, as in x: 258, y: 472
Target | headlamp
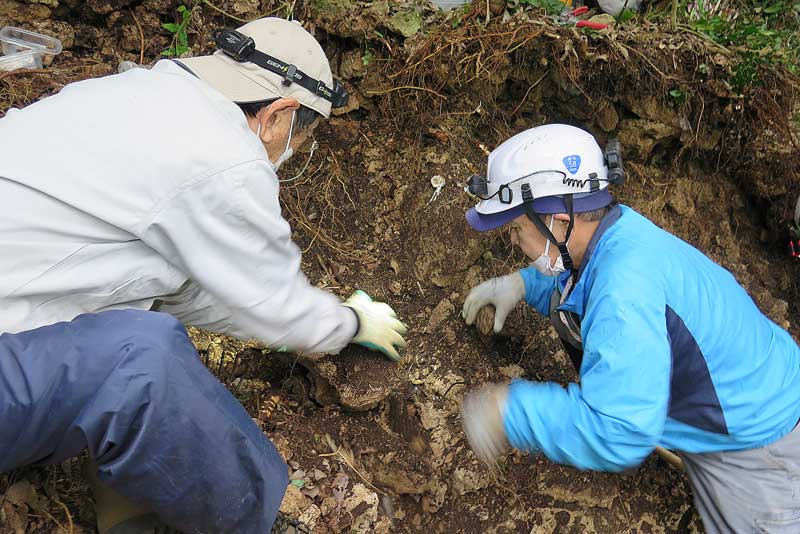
x: 613, y: 157
x: 478, y: 186
x: 235, y: 44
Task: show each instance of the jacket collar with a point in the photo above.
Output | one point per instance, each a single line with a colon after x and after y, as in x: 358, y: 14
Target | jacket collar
x: 574, y: 302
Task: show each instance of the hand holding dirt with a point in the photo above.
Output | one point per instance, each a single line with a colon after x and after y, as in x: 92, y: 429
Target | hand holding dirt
x: 503, y: 293
x: 485, y: 320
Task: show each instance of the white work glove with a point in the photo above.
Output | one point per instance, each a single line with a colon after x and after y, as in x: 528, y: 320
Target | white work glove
x: 482, y: 413
x: 503, y: 292
x: 378, y: 326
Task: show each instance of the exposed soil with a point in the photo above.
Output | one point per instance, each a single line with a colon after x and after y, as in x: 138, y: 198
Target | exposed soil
x: 375, y: 446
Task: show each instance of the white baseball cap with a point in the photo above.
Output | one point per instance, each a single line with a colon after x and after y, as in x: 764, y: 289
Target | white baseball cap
x: 282, y: 40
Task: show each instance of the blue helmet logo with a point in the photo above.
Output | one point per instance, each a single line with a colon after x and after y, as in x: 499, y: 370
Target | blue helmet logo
x: 572, y: 163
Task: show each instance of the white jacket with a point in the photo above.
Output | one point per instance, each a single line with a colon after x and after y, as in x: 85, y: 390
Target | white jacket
x: 149, y: 186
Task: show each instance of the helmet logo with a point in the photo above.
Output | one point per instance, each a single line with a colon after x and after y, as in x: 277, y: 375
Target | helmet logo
x: 572, y: 163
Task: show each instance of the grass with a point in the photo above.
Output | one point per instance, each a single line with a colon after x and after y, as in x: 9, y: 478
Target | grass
x: 757, y: 33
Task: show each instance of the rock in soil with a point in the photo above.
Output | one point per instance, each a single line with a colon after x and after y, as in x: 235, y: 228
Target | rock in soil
x: 485, y: 320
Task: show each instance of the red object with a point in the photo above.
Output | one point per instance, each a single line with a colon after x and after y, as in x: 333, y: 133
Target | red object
x: 571, y: 17
x: 592, y: 25
x: 791, y: 248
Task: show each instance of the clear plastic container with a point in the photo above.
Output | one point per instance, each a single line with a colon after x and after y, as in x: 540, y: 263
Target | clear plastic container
x: 449, y: 4
x: 27, y: 59
x: 23, y: 49
x: 15, y: 40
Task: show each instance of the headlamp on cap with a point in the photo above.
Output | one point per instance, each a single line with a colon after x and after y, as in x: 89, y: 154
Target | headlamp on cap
x: 613, y: 158
x: 236, y: 44
x: 478, y: 186
x: 243, y: 48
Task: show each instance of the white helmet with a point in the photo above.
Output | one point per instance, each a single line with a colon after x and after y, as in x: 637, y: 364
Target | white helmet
x: 550, y: 165
x: 549, y: 169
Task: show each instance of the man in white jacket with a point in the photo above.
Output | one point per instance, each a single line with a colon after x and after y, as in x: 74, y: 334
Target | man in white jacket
x: 157, y: 190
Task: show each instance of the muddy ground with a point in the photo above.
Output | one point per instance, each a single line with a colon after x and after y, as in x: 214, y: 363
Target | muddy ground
x: 375, y: 446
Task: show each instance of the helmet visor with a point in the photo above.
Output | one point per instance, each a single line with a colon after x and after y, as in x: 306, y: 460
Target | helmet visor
x: 545, y: 206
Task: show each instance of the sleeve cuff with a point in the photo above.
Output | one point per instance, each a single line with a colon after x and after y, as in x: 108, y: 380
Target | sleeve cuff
x: 516, y: 420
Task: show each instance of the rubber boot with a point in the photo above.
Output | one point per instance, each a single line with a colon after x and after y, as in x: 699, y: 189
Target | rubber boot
x: 116, y: 514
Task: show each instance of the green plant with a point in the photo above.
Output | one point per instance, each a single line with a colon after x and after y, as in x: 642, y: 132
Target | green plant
x: 758, y: 32
x: 459, y: 14
x: 367, y: 57
x: 180, y: 38
x: 626, y: 15
x: 678, y: 95
x: 794, y: 231
x: 552, y: 7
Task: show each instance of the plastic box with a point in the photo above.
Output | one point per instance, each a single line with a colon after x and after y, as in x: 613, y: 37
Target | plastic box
x: 449, y: 4
x: 23, y: 49
x: 27, y: 59
x: 16, y: 40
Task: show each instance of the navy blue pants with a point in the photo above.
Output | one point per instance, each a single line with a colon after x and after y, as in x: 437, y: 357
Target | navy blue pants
x: 164, y: 432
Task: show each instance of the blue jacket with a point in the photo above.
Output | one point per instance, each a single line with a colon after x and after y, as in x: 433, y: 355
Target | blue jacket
x: 676, y: 354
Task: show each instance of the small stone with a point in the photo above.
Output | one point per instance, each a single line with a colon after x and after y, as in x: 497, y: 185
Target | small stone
x: 21, y: 494
x: 606, y: 116
x: 467, y: 481
x: 440, y: 313
x: 484, y: 322
x: 310, y: 516
x: 294, y: 502
x: 363, y: 518
x: 512, y: 371
x: 105, y: 7
x: 126, y: 66
x: 244, y: 7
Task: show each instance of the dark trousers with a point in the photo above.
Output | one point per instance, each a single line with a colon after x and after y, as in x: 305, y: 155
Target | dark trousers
x: 163, y: 431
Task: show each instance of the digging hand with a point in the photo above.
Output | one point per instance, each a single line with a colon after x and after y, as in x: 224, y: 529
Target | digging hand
x: 378, y: 326
x: 482, y: 418
x: 503, y: 292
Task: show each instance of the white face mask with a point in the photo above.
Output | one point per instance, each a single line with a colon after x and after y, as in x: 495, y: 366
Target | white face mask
x: 287, y: 152
x: 543, y: 263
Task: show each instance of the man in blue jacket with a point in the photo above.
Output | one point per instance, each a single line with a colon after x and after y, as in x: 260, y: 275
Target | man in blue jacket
x: 670, y: 349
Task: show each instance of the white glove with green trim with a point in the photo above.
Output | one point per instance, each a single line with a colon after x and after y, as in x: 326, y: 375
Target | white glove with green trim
x: 378, y: 326
x: 504, y: 292
x: 482, y: 412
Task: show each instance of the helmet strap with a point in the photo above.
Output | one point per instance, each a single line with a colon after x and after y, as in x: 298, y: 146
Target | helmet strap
x: 527, y: 198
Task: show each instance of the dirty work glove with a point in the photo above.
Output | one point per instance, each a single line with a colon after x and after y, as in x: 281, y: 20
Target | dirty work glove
x: 482, y: 418
x: 378, y: 326
x: 503, y: 292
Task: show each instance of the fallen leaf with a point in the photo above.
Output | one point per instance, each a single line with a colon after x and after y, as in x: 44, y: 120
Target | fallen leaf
x: 21, y: 493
